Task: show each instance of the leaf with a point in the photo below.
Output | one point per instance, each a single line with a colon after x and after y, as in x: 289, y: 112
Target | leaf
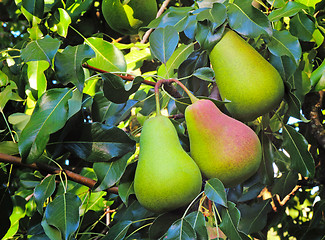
x: 266, y: 167
x: 42, y: 49
x: 116, y: 90
x: 217, y: 14
x: 282, y: 43
x: 108, y: 57
x: 230, y: 219
x: 68, y: 64
x: 197, y: 221
x: 96, y: 142
x: 6, y: 210
x: 181, y: 230
x: 109, y: 112
x: 59, y: 22
x: 254, y: 217
x: 161, y: 224
x: 181, y: 53
x: 118, y: 231
x: 302, y: 27
x: 204, y: 73
x: 43, y: 191
x: 36, y: 76
x: 34, y: 8
x: 125, y: 189
x: 297, y: 146
x: 7, y: 93
x: 51, y: 232
x: 76, y: 8
x: 108, y: 173
x: 163, y: 42
x: 289, y: 10
x: 9, y: 147
x: 216, y: 192
x: 63, y: 214
x: 50, y: 115
x: 285, y: 184
x: 247, y: 20
x: 207, y: 35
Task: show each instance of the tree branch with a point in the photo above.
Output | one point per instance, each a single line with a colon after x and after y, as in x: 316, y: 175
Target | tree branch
x: 53, y: 170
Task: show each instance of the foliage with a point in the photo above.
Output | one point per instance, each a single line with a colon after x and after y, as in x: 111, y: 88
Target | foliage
x: 74, y: 95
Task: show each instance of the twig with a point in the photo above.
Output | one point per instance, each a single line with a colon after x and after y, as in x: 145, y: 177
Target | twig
x: 160, y: 11
x: 53, y: 170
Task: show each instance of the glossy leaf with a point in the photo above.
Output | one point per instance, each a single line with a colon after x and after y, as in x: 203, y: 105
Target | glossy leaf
x: 125, y: 189
x: 205, y: 73
x: 118, y: 231
x: 63, y: 214
x: 216, y: 192
x: 34, y: 7
x: 230, y: 219
x: 43, y: 191
x: 68, y: 64
x: 109, y: 112
x: 116, y: 90
x: 50, y: 232
x: 108, y: 57
x: 302, y: 27
x: 254, y: 217
x: 297, y: 146
x: 181, y: 230
x: 162, y: 223
x: 289, y: 10
x: 50, y: 115
x: 217, y: 14
x: 76, y: 8
x: 108, y: 173
x: 60, y: 22
x: 197, y: 221
x: 36, y: 76
x: 42, y: 49
x: 96, y: 142
x: 283, y: 43
x: 247, y: 20
x: 163, y: 42
x: 207, y: 35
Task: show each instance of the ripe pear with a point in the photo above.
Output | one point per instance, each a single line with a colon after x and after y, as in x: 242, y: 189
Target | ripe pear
x: 128, y: 16
x: 166, y: 177
x: 222, y: 146
x: 245, y: 77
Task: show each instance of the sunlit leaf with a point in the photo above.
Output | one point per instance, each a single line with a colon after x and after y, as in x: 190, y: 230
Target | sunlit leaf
x: 60, y: 22
x: 216, y: 192
x: 43, y: 191
x: 290, y: 9
x: 36, y: 76
x: 205, y: 73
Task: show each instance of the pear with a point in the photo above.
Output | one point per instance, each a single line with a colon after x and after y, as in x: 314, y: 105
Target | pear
x: 129, y: 16
x: 166, y: 177
x: 222, y: 146
x: 244, y: 77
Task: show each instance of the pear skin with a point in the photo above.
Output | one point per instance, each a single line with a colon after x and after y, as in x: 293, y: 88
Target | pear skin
x: 128, y: 18
x: 245, y: 77
x: 222, y: 146
x: 166, y: 177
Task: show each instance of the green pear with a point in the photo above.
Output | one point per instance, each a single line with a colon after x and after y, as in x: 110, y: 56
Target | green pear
x: 245, y: 77
x: 222, y: 146
x: 166, y: 177
x: 129, y: 16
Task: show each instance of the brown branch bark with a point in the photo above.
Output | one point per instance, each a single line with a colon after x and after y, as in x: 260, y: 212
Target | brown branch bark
x: 53, y: 170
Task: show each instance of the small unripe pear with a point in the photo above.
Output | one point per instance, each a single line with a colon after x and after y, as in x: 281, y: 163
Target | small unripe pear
x: 245, y: 78
x: 222, y: 147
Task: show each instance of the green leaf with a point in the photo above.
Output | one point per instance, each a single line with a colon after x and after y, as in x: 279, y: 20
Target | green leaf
x: 108, y: 173
x: 42, y: 49
x: 50, y: 115
x: 36, y: 76
x: 204, y: 73
x: 9, y: 147
x: 282, y: 43
x: 109, y: 112
x: 125, y: 189
x: 181, y: 230
x: 247, y: 20
x: 161, y: 224
x: 217, y: 14
x: 29, y: 180
x: 118, y: 231
x: 34, y: 7
x: 59, y: 22
x: 51, y: 232
x: 302, y: 27
x: 163, y: 42
x: 285, y: 184
x: 63, y: 214
x: 181, y: 53
x: 254, y: 217
x: 207, y: 35
x: 297, y: 147
x: 216, y: 192
x: 6, y: 210
x: 76, y: 8
x: 116, y: 90
x: 68, y: 64
x: 136, y: 57
x: 108, y: 57
x: 43, y: 191
x: 266, y: 167
x: 197, y: 221
x: 230, y: 219
x: 289, y: 10
x: 7, y: 94
x: 4, y: 80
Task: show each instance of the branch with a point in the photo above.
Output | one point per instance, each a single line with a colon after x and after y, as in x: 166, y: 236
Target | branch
x: 53, y: 170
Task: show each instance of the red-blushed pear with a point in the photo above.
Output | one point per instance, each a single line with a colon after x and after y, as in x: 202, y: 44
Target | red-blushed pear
x: 245, y: 77
x: 221, y: 146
